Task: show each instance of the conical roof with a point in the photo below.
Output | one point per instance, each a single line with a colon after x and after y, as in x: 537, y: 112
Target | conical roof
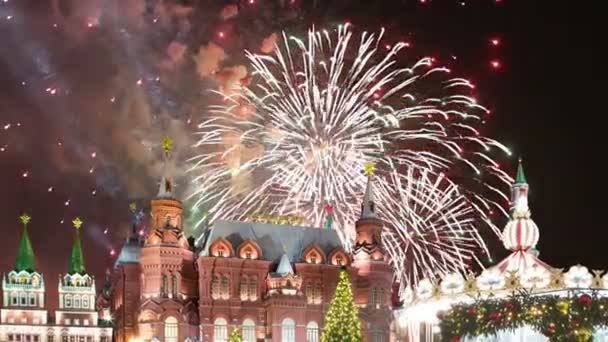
x: 26, y: 259
x: 77, y: 257
x: 284, y: 266
x: 520, y: 177
x: 368, y: 209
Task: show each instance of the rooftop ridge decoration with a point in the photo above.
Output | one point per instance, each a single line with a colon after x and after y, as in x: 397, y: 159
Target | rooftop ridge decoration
x: 276, y: 219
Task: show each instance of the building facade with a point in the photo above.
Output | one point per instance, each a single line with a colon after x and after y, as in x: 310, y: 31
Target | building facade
x: 272, y: 281
x: 24, y: 317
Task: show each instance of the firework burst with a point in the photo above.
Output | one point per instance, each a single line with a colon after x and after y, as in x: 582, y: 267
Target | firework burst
x: 317, y: 111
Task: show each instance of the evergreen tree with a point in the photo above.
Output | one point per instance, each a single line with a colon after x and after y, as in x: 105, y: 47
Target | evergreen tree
x: 235, y: 336
x: 342, y: 320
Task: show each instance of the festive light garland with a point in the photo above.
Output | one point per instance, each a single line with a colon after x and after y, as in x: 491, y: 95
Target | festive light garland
x: 571, y: 318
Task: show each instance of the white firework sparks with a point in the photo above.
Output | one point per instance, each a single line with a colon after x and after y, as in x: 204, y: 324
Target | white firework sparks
x: 317, y: 111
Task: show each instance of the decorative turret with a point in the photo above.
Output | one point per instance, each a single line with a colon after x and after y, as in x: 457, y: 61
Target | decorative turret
x: 23, y: 287
x: 284, y: 280
x: 369, y: 226
x: 77, y: 287
x: 129, y: 254
x: 520, y: 233
x: 166, y: 209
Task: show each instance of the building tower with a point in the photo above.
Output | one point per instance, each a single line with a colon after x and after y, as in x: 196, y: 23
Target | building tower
x: 126, y: 284
x: 374, y: 274
x: 169, y: 279
x: 23, y: 293
x: 77, y: 294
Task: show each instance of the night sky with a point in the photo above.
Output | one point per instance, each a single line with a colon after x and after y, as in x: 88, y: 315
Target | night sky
x: 88, y: 89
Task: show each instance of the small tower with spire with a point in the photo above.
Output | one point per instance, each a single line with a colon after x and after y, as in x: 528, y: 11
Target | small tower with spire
x: 23, y: 287
x: 77, y: 288
x: 368, y: 241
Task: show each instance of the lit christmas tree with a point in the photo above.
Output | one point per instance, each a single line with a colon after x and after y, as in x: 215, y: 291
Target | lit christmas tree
x: 235, y: 336
x: 342, y: 320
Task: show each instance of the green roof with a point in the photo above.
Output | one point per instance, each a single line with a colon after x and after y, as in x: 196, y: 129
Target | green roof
x: 521, y: 177
x: 26, y: 259
x: 77, y: 257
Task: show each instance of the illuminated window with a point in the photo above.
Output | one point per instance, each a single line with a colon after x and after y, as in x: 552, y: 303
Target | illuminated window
x: 64, y: 338
x: 374, y: 296
x: 309, y: 296
x: 165, y: 286
x: 68, y: 301
x: 174, y: 285
x: 248, y: 330
x: 378, y: 336
x: 76, y: 321
x: 288, y: 330
x: 50, y: 338
x: 85, y: 322
x: 77, y: 302
x: 220, y: 330
x: 85, y: 302
x: 248, y: 253
x: 220, y: 251
x: 171, y: 329
x: 313, y: 259
x: 312, y: 332
x: 317, y: 293
x: 244, y: 288
x: 253, y: 289
x: 215, y: 287
x: 339, y: 260
x: 225, y: 289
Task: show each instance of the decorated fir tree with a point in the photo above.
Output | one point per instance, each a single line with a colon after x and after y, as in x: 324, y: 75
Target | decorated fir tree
x: 342, y: 320
x: 235, y: 336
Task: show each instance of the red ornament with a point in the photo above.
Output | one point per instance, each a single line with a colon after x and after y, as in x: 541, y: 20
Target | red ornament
x: 509, y: 305
x: 585, y: 300
x: 495, y: 316
x: 472, y: 310
x: 455, y: 339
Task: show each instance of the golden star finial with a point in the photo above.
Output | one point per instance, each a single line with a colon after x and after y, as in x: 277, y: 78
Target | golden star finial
x: 77, y: 222
x: 369, y: 168
x: 132, y: 207
x: 25, y: 219
x: 167, y: 144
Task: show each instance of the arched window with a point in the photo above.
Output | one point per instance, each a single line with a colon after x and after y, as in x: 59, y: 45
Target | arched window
x: 171, y: 329
x: 215, y: 287
x: 378, y: 336
x: 164, y: 290
x: 77, y: 302
x: 309, y: 297
x: 174, y: 288
x: 248, y: 252
x: 85, y: 302
x: 244, y: 288
x: 253, y: 288
x: 220, y: 330
x: 248, y: 330
x: 221, y: 251
x: 68, y: 301
x: 225, y: 287
x: 312, y: 332
x: 288, y: 330
x: 32, y: 298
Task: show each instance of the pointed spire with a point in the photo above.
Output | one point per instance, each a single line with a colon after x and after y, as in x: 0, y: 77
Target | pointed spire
x: 521, y: 177
x: 284, y: 266
x: 26, y: 259
x: 165, y: 189
x: 368, y: 209
x: 77, y: 257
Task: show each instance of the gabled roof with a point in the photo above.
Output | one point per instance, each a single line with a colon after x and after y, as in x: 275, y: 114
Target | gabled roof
x: 275, y: 240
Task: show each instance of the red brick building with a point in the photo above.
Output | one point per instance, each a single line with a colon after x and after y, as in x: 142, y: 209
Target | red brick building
x: 275, y: 282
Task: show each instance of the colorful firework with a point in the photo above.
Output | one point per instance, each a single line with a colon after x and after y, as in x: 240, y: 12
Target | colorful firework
x: 297, y: 138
